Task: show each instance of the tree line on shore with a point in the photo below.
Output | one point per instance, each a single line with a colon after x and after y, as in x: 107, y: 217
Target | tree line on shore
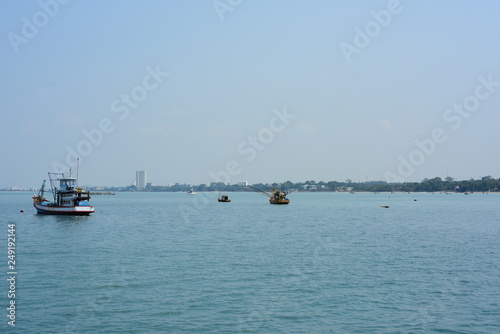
x: 436, y: 184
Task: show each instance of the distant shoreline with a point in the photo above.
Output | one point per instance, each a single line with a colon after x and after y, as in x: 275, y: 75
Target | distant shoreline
x: 486, y: 184
x: 110, y: 193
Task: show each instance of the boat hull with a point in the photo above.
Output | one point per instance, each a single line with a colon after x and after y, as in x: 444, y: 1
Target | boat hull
x: 63, y: 210
x: 279, y: 201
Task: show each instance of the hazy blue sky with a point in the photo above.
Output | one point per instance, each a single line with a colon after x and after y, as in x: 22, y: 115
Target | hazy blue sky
x: 356, y: 84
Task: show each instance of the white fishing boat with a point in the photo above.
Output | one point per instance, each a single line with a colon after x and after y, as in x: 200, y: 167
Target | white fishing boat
x: 69, y: 198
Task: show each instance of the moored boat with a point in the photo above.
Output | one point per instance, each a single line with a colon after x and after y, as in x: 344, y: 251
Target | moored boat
x: 69, y: 198
x: 224, y: 198
x: 278, y: 197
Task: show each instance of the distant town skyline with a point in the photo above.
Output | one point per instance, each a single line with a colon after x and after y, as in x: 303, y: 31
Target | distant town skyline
x: 244, y: 183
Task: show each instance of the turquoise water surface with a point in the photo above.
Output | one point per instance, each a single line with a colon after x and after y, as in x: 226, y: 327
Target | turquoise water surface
x: 326, y: 263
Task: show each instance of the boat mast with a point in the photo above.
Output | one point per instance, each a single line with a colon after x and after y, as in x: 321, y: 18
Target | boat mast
x: 77, y: 163
x: 265, y: 193
x: 41, y: 193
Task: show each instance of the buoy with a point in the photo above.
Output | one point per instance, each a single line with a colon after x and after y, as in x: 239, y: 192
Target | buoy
x: 414, y: 200
x: 21, y: 210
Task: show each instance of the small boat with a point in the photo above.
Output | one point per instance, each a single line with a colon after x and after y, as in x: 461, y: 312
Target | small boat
x: 191, y: 192
x: 224, y: 198
x: 69, y: 198
x: 276, y: 196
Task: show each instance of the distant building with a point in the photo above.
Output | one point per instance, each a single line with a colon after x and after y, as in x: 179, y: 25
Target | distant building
x: 243, y: 183
x: 141, y: 179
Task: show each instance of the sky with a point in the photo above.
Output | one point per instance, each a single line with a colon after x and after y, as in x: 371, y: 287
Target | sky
x: 265, y: 91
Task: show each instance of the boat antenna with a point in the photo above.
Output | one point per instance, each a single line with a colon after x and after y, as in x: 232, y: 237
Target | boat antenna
x: 265, y: 193
x: 77, y: 163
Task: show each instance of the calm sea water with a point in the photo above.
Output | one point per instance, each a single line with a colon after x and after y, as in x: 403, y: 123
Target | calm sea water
x: 326, y: 263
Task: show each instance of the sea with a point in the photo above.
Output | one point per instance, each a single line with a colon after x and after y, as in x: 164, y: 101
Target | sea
x: 325, y: 263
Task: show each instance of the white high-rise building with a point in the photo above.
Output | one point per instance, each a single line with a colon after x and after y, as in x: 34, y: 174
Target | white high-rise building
x: 141, y: 179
